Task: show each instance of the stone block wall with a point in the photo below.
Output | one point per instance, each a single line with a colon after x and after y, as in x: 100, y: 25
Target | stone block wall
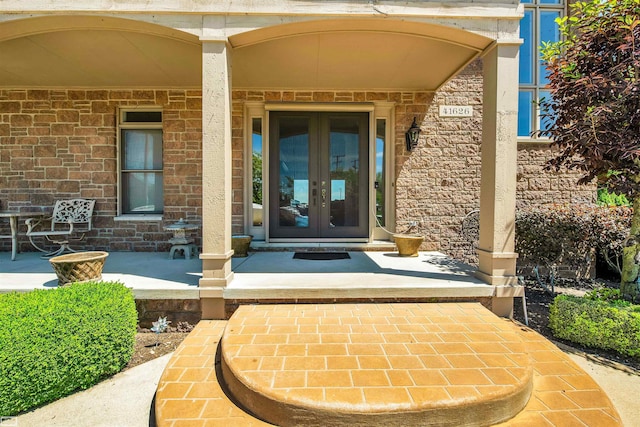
x: 60, y: 144
x: 536, y: 186
x: 439, y: 182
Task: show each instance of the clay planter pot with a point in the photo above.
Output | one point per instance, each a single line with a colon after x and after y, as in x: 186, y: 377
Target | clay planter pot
x: 240, y: 245
x: 408, y: 244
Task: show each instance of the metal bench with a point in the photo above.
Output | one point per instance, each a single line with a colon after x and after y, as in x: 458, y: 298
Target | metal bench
x: 70, y: 221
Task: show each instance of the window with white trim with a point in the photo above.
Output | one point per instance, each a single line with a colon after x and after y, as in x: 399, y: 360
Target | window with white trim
x: 140, y: 162
x: 538, y: 25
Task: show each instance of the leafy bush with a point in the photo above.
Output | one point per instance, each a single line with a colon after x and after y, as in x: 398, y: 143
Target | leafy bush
x: 553, y: 235
x: 611, y: 199
x: 596, y: 323
x: 607, y: 295
x: 53, y: 342
x: 610, y: 228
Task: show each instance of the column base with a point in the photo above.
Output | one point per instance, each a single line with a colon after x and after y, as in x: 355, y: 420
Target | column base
x: 497, y: 280
x: 216, y: 275
x: 213, y: 308
x: 497, y: 268
x: 500, y: 306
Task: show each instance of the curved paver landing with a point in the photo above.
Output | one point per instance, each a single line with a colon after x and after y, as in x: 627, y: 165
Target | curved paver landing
x: 374, y: 364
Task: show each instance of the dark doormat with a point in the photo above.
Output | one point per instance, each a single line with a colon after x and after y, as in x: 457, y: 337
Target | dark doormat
x: 321, y: 256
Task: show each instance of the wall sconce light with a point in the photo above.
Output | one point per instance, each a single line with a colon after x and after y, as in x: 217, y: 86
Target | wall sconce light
x: 412, y: 135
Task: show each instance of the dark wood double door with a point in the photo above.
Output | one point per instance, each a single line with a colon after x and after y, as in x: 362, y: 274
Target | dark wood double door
x: 318, y: 179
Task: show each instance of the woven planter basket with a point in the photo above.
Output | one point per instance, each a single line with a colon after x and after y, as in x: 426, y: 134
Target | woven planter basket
x: 78, y: 267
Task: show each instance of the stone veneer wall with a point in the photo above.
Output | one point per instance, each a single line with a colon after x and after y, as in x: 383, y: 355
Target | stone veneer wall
x: 59, y: 144
x: 536, y: 187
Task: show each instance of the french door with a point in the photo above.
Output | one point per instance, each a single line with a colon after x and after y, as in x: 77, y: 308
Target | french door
x: 318, y: 175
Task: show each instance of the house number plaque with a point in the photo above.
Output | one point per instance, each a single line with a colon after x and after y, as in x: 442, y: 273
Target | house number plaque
x: 456, y: 111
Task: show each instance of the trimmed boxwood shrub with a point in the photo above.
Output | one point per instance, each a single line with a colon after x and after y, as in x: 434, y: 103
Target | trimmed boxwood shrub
x: 54, y: 342
x: 610, y: 325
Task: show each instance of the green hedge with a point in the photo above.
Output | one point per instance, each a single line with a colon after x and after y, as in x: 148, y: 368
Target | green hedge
x: 594, y: 323
x: 54, y: 342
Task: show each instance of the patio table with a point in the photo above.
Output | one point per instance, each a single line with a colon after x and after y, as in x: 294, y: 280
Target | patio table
x: 13, y: 223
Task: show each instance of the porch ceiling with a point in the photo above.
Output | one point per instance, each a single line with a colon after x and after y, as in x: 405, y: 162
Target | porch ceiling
x: 89, y: 52
x: 99, y: 58
x: 353, y: 54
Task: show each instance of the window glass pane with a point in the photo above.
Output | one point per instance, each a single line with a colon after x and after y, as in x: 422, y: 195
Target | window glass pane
x: 526, y: 1
x: 548, y: 1
x: 142, y: 149
x: 526, y: 113
x: 142, y: 192
x: 527, y: 48
x: 143, y: 116
x: 549, y: 32
x: 380, y: 171
x: 545, y: 123
x: 256, y: 168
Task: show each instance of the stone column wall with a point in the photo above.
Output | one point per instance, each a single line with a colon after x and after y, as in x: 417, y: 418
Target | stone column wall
x: 59, y: 144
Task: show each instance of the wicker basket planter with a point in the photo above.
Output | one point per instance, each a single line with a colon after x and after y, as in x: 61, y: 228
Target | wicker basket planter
x: 78, y: 266
x: 408, y: 244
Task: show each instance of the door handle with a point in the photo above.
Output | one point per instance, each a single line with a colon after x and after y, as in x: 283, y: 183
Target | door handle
x: 324, y: 195
x: 314, y: 193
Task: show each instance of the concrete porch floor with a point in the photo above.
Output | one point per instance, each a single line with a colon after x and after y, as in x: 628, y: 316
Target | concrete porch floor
x: 277, y: 275
x: 270, y: 276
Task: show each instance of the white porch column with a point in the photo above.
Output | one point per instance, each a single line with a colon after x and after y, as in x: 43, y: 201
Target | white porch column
x: 216, y: 177
x: 497, y: 259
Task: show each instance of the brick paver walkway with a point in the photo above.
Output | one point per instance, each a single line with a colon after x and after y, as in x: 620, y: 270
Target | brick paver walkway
x: 375, y: 364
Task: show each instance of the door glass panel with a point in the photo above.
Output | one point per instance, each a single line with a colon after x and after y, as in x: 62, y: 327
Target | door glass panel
x: 344, y: 137
x: 293, y: 185
x: 256, y: 168
x: 380, y: 171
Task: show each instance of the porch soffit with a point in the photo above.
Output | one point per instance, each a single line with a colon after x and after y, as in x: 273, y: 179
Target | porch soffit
x: 357, y: 54
x: 91, y: 51
x: 372, y: 54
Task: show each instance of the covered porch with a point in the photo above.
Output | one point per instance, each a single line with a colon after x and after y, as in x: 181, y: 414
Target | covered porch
x: 216, y: 72
x: 270, y: 277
